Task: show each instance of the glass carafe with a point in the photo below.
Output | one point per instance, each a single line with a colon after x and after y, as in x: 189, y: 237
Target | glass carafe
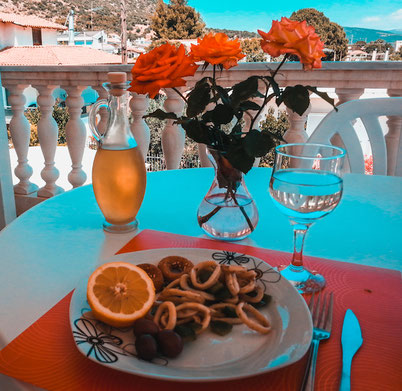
x: 118, y: 171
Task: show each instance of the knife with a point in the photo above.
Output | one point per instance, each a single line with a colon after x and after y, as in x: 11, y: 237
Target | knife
x: 351, y: 341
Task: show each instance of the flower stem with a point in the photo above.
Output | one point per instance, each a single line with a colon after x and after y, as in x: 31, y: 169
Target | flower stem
x: 181, y: 95
x: 204, y: 219
x: 250, y: 224
x: 266, y: 97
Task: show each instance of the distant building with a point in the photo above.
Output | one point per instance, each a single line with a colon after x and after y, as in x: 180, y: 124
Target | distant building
x: 94, y: 39
x: 21, y: 30
x: 357, y: 55
x: 398, y: 45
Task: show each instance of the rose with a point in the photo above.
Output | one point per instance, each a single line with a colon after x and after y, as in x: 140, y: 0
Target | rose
x: 217, y: 49
x: 163, y: 67
x: 289, y: 36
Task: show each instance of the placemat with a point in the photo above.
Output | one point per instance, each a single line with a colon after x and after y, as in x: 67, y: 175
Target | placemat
x: 45, y: 354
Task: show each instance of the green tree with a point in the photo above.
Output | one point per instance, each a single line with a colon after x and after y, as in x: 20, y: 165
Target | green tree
x: 176, y: 20
x: 332, y: 34
x: 277, y: 124
x: 397, y: 56
x: 380, y: 46
x: 61, y: 116
x: 252, y: 49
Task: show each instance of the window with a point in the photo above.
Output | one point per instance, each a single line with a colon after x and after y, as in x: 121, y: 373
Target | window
x: 37, y: 36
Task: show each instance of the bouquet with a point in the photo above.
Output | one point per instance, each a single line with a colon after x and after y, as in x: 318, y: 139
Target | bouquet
x: 214, y: 115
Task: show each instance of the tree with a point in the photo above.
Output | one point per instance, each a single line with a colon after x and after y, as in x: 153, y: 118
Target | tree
x: 332, y: 34
x: 380, y: 46
x: 176, y: 20
x: 397, y: 56
x: 252, y: 49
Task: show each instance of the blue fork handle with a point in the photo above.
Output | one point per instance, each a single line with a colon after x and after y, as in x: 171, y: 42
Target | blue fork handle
x: 309, y: 375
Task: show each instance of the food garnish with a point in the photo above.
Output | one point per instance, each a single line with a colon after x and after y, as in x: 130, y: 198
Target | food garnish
x: 120, y: 293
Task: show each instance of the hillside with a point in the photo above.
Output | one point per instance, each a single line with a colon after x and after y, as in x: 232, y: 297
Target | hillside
x: 105, y: 14
x: 361, y: 34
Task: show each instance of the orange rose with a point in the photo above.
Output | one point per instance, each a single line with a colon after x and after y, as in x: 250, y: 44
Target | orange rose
x: 163, y: 67
x: 217, y: 49
x: 290, y: 36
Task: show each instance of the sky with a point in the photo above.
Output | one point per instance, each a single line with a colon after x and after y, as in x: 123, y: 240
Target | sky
x: 257, y: 14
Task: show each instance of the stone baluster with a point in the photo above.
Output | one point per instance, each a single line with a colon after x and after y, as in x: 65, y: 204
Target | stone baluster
x: 139, y: 128
x: 103, y: 112
x: 173, y: 136
x: 20, y: 131
x: 392, y: 138
x: 76, y: 134
x: 297, y: 129
x: 48, y: 134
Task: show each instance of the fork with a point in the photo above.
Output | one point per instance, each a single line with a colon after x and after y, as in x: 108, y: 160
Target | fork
x: 321, y: 315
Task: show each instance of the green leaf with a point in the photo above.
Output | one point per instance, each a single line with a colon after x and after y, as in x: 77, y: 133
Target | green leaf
x: 237, y: 129
x: 258, y: 144
x: 296, y: 98
x: 239, y: 158
x: 160, y: 114
x: 249, y: 105
x: 274, y: 85
x: 197, y: 131
x: 244, y: 90
x: 198, y: 99
x: 186, y: 332
x: 323, y: 95
x: 221, y: 114
x: 202, y: 81
x: 223, y: 94
x: 220, y: 328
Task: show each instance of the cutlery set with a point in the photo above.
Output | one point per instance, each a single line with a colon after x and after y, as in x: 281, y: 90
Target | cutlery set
x: 321, y: 308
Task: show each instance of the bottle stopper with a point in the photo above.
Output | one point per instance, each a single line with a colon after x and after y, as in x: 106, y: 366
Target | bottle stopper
x: 117, y: 78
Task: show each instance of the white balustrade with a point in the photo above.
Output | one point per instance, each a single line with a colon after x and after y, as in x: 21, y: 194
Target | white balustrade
x: 347, y: 79
x: 393, y: 137
x: 20, y: 131
x: 48, y: 133
x: 139, y: 128
x: 76, y: 134
x: 173, y: 136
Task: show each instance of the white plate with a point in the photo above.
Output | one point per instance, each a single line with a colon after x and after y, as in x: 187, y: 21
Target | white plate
x: 210, y: 357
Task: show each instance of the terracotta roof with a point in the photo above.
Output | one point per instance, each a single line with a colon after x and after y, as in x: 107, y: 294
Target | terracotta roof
x: 56, y: 55
x: 29, y: 21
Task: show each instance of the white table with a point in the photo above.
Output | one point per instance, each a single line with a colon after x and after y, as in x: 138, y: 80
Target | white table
x: 47, y: 250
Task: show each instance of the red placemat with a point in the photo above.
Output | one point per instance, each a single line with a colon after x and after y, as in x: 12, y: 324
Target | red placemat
x: 45, y: 354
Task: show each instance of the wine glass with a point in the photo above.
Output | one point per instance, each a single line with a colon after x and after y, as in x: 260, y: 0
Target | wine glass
x: 306, y: 184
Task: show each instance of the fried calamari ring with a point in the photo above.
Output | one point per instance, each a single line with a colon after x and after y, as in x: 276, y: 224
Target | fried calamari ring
x: 184, y: 285
x: 172, y: 317
x: 173, y: 267
x: 254, y: 299
x: 155, y: 274
x: 213, y: 278
x: 205, y: 311
x: 216, y: 314
x: 260, y: 324
x: 178, y: 293
x: 232, y: 283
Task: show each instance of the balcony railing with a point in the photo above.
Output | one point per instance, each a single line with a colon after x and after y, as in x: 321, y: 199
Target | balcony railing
x: 349, y: 80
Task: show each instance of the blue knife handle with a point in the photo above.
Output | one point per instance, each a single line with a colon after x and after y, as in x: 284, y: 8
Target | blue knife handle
x: 345, y: 379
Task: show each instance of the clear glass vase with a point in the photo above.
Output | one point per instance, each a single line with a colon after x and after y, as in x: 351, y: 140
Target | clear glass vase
x: 228, y: 211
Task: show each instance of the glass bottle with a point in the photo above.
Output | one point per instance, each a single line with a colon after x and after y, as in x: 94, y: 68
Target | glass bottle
x: 118, y: 171
x: 228, y: 211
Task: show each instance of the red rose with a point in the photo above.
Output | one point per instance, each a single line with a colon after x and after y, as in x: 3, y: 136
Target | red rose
x: 217, y: 49
x: 290, y: 36
x: 163, y: 67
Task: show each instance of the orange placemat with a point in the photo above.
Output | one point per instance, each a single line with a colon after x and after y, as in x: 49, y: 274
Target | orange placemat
x: 45, y: 354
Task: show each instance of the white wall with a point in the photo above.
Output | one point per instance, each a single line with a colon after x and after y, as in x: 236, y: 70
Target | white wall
x: 22, y: 36
x: 49, y: 37
x: 7, y: 34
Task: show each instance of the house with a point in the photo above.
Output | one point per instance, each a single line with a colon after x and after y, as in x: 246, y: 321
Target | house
x: 30, y: 41
x: 22, y: 30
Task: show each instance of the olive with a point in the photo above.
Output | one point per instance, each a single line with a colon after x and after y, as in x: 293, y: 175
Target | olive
x: 145, y: 326
x: 170, y: 343
x: 146, y: 347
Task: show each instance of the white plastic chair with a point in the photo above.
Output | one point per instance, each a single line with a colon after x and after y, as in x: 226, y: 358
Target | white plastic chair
x: 341, y: 122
